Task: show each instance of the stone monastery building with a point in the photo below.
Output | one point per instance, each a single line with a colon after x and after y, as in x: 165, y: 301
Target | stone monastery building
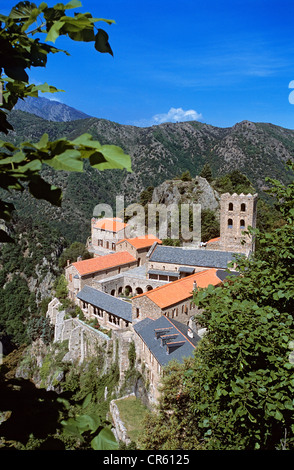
x: 143, y: 287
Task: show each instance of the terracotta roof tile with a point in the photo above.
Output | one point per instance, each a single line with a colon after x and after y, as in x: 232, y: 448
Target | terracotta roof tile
x: 179, y: 290
x: 213, y: 240
x: 141, y: 242
x: 111, y: 225
x: 101, y: 263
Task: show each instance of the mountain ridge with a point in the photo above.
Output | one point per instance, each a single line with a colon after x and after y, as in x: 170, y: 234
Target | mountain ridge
x: 51, y: 110
x: 158, y: 153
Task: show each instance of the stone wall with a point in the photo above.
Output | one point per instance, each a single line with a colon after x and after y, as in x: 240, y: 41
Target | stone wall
x: 83, y: 340
x: 119, y: 429
x: 143, y: 307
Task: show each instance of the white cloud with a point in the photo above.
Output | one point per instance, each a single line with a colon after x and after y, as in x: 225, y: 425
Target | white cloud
x: 177, y: 115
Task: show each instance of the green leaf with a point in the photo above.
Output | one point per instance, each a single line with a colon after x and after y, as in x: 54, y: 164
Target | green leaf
x: 54, y: 31
x: 73, y: 4
x: 87, y: 400
x: 18, y: 157
x: 278, y: 415
x: 88, y: 423
x: 64, y: 402
x: 105, y: 440
x: 40, y: 189
x: 42, y: 142
x: 17, y: 72
x: 71, y: 429
x: 22, y: 10
x: 70, y: 160
x: 101, y: 42
x: 45, y: 88
x: 116, y: 158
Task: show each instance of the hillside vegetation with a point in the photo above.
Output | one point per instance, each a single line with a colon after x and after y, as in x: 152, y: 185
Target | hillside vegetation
x: 158, y: 153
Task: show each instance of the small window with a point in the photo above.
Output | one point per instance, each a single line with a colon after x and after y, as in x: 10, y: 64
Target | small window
x: 243, y: 207
x: 242, y: 224
x: 230, y: 223
x: 231, y: 207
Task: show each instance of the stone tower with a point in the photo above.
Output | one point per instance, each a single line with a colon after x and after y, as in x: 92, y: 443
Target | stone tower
x: 237, y: 213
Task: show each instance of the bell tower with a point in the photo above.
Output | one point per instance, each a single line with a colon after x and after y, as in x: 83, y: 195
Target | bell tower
x: 237, y: 213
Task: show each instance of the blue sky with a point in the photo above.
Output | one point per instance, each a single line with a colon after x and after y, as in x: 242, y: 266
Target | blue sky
x: 212, y: 61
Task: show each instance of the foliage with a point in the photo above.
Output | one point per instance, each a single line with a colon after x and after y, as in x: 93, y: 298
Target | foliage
x: 60, y: 287
x: 242, y: 381
x: 88, y: 429
x: 171, y: 426
x: 209, y: 225
x: 171, y: 242
x: 75, y: 250
x: 185, y: 176
x: 24, y: 265
x: 206, y: 172
x: 132, y: 354
x: 233, y: 182
x: 146, y: 196
x: 20, y: 50
x: 14, y: 305
x: 40, y: 327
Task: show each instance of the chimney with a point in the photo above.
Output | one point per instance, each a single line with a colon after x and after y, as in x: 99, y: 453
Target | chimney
x: 194, y: 285
x: 68, y: 262
x: 190, y: 333
x: 79, y: 258
x: 172, y: 346
x: 161, y: 331
x: 167, y: 338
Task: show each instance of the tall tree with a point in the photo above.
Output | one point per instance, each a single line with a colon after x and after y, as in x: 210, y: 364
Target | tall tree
x: 21, y: 49
x: 242, y: 382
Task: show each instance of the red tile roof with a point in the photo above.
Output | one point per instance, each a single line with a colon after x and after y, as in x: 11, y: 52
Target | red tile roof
x: 178, y: 291
x: 213, y: 240
x: 111, y: 225
x: 102, y: 263
x: 141, y: 242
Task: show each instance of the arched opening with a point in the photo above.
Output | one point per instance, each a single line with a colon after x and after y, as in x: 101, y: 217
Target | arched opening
x: 242, y: 224
x: 231, y: 206
x: 243, y: 207
x: 139, y: 262
x: 149, y: 288
x: 112, y: 292
x: 139, y: 291
x: 128, y: 291
x: 230, y: 223
x: 120, y: 290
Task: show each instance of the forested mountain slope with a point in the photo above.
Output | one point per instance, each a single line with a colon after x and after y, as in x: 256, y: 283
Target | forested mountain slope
x: 158, y: 153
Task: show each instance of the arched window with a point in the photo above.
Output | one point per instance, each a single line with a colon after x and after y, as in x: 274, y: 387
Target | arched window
x: 230, y: 223
x: 231, y: 206
x: 242, y: 224
x: 243, y: 207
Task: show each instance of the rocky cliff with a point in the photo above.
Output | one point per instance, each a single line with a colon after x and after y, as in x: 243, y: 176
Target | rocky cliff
x: 197, y: 191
